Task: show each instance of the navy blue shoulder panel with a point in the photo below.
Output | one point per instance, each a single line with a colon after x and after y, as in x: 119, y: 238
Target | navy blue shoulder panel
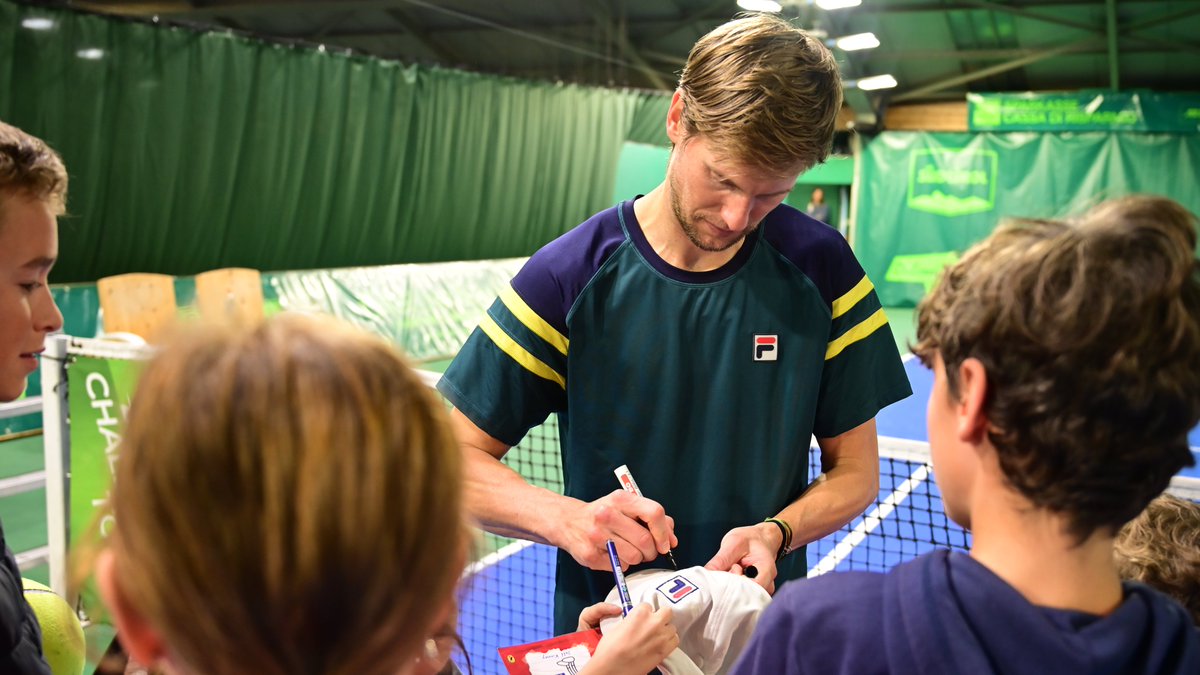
x: 818, y: 250
x: 555, y: 276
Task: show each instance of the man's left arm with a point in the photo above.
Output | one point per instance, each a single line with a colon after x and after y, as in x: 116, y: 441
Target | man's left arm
x: 849, y: 482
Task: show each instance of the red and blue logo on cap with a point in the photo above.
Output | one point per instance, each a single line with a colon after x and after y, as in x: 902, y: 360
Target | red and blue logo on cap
x: 677, y: 588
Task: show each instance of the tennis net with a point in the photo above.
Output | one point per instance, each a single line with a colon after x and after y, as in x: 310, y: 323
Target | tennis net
x: 507, y: 595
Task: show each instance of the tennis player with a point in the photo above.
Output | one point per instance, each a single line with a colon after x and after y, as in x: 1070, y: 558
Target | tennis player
x: 701, y: 335
x: 1066, y: 359
x: 33, y: 192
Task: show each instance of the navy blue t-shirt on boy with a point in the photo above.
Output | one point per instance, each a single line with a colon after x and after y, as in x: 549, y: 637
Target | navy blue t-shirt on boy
x: 946, y: 613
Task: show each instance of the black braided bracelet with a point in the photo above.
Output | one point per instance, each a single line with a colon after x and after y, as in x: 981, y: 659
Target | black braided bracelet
x: 785, y: 546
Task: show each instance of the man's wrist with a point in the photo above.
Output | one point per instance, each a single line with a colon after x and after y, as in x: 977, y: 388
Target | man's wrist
x: 783, y: 536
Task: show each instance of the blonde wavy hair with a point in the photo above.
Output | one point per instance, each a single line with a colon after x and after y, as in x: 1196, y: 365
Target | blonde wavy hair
x: 287, y: 501
x: 764, y: 93
x: 1161, y: 548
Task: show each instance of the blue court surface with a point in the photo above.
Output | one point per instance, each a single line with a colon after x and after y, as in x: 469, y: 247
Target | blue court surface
x: 507, y: 598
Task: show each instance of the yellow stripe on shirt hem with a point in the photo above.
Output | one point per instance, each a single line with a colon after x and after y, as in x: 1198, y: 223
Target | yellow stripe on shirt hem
x: 859, y: 332
x: 518, y: 353
x: 533, y: 321
x: 851, y: 298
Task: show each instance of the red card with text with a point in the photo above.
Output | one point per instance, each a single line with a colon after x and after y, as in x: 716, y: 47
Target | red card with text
x: 562, y: 655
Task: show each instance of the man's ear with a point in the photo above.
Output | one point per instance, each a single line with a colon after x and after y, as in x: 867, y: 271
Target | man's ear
x: 137, y: 636
x: 675, y: 130
x: 972, y: 397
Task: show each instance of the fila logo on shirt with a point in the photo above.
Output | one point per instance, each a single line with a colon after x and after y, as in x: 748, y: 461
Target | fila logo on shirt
x: 766, y: 347
x: 677, y: 588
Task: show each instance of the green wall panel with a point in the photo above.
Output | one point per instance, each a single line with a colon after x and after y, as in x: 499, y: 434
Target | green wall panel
x: 191, y: 150
x: 928, y: 197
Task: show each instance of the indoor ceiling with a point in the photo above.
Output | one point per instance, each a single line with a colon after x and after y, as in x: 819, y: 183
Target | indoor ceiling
x: 936, y: 50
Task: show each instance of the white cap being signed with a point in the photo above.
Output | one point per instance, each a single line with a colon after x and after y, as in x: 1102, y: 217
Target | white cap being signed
x: 715, y: 612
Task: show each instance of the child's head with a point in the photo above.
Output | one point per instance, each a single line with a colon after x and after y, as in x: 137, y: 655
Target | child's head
x: 1161, y: 548
x: 287, y: 500
x: 33, y: 192
x: 1081, y: 341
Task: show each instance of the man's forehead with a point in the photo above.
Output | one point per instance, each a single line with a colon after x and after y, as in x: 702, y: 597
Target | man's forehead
x: 742, y: 170
x: 731, y: 164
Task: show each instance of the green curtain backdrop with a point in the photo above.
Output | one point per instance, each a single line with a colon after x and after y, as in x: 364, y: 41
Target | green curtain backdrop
x: 190, y: 151
x: 925, y: 198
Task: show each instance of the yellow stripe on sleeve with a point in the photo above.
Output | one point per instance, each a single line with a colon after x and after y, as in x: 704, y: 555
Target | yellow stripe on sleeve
x: 859, y: 332
x: 851, y: 298
x: 533, y: 321
x: 518, y: 353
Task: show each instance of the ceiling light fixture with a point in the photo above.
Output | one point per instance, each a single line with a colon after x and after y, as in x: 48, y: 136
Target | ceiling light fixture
x: 875, y: 82
x: 37, y: 23
x: 855, y: 42
x: 760, y: 6
x: 838, y: 4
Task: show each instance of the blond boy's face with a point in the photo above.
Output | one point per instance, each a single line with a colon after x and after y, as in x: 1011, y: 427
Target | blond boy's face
x: 28, y: 249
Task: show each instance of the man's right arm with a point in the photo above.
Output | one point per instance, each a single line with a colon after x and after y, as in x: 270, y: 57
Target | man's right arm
x: 504, y: 503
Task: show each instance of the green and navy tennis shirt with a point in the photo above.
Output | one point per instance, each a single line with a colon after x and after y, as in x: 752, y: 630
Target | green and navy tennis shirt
x: 708, y: 385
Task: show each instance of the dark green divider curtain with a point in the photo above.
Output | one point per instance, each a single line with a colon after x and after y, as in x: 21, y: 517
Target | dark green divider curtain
x: 925, y: 194
x: 190, y: 151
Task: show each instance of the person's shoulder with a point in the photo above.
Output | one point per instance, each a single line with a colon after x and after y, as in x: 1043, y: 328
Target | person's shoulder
x: 1168, y: 609
x: 584, y: 248
x: 846, y: 602
x: 797, y: 235
x: 554, y: 276
x: 20, y: 636
x: 814, y: 249
x: 828, y: 624
x: 830, y: 589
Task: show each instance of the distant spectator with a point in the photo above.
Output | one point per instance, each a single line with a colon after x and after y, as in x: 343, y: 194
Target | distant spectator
x: 817, y: 208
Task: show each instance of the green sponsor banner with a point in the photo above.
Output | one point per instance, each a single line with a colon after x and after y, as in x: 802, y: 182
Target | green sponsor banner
x: 926, y: 197
x: 100, y: 390
x: 1140, y: 111
x: 952, y: 182
x: 921, y: 269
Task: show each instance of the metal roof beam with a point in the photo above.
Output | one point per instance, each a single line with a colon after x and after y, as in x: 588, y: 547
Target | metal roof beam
x: 419, y: 33
x: 986, y: 54
x: 214, y: 8
x: 1166, y: 17
x: 1114, y: 67
x: 1029, y: 14
x: 939, y: 85
x: 919, y: 7
x: 605, y: 20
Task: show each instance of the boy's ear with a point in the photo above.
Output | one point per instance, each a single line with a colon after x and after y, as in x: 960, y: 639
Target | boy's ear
x: 137, y: 636
x: 973, y: 389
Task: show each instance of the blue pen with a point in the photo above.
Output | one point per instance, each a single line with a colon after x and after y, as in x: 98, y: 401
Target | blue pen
x: 622, y: 589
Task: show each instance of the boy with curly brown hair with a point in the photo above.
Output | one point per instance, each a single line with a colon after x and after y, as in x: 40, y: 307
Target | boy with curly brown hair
x: 1066, y: 359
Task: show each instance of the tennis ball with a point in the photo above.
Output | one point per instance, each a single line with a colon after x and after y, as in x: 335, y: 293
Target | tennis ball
x: 62, y: 634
